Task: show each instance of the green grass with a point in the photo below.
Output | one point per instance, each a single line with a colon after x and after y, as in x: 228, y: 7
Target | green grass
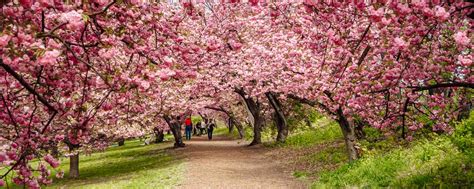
x: 224, y: 131
x: 426, y: 163
x: 433, y: 161
x: 221, y: 131
x: 439, y: 161
x: 133, y: 165
x: 326, y: 131
x: 130, y: 166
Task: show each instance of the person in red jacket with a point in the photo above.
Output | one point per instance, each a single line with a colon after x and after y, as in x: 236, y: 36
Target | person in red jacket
x: 188, y: 128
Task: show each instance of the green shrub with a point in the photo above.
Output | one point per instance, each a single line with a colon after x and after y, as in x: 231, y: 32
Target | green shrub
x: 463, y: 135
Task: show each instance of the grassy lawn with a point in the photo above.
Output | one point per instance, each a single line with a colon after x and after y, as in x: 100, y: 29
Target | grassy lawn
x: 432, y: 161
x: 133, y: 165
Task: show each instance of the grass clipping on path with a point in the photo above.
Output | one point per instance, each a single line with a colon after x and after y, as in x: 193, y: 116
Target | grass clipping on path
x: 133, y: 165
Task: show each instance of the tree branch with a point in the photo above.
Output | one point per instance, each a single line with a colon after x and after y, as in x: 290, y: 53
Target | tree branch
x: 25, y: 84
x: 442, y: 85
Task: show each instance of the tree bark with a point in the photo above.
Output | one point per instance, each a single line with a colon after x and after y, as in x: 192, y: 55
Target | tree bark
x: 257, y: 131
x: 240, y: 129
x: 255, y: 110
x: 359, y: 129
x: 350, y: 138
x: 121, y: 141
x: 74, y: 166
x: 176, y: 130
x: 230, y: 124
x: 308, y: 122
x: 347, y: 129
x: 159, y: 136
x: 279, y: 117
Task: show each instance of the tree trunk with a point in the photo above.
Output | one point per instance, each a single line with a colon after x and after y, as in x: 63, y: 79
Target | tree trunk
x: 350, y: 138
x: 255, y: 110
x: 121, y: 141
x: 279, y: 117
x: 176, y: 130
x: 258, y: 122
x: 308, y: 122
x: 230, y: 124
x: 74, y: 166
x: 159, y: 136
x: 257, y: 131
x: 240, y: 129
x: 359, y: 129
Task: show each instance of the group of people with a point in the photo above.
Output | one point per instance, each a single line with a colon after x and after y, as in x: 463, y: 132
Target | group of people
x: 199, y: 128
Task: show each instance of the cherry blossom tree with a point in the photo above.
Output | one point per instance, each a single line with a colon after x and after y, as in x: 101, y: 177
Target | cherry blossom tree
x: 73, y: 71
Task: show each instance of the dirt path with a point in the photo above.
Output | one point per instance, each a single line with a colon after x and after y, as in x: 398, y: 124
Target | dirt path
x: 224, y: 163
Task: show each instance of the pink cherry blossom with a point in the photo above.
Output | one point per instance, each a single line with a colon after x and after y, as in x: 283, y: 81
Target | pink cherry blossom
x: 33, y: 184
x: 377, y: 15
x: 465, y: 60
x: 3, y: 157
x: 400, y: 43
x: 145, y: 84
x: 46, y: 3
x: 49, y: 57
x: 441, y: 13
x: 26, y: 3
x: 461, y: 38
x: 73, y: 19
x: 4, y: 40
x: 51, y: 161
x: 137, y: 60
x: 102, y: 2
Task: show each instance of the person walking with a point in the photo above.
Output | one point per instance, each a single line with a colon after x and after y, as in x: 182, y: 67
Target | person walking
x: 210, y: 129
x: 188, y: 128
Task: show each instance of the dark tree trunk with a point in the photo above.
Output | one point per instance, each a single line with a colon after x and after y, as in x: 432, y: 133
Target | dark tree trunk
x: 121, y: 141
x: 73, y: 159
x: 255, y: 110
x: 279, y: 117
x: 176, y: 130
x: 159, y: 136
x: 308, y: 122
x: 240, y: 128
x: 230, y: 124
x: 74, y: 166
x: 359, y: 129
x: 350, y: 138
x: 347, y: 129
x: 257, y: 131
